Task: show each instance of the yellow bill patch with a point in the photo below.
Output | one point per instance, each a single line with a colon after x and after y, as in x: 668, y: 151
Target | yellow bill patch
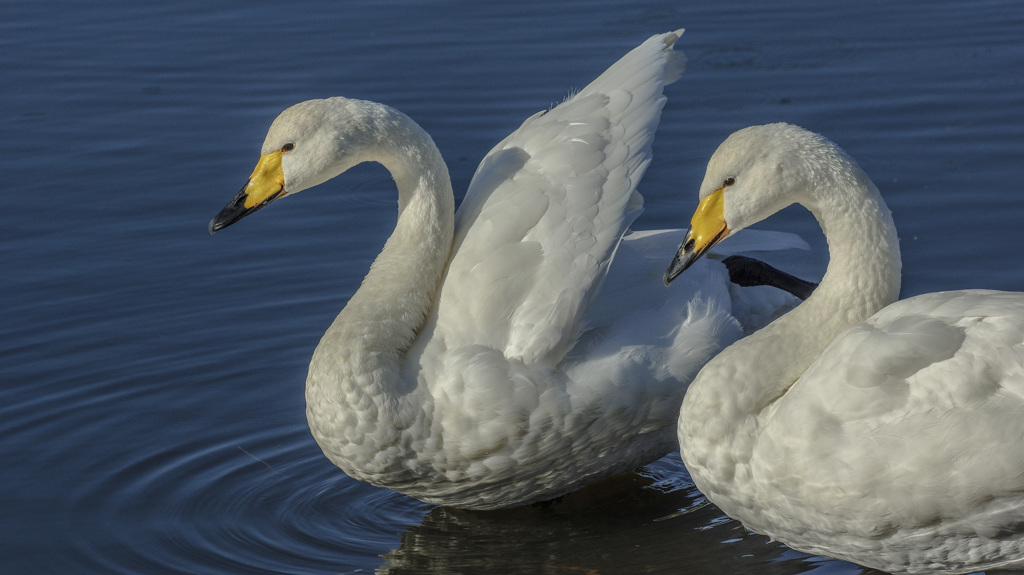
x: 708, y: 227
x: 266, y: 180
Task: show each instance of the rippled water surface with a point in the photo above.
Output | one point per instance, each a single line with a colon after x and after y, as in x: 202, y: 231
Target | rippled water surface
x: 151, y: 408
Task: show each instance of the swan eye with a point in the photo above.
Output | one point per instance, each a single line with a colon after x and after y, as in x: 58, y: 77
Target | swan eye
x: 728, y: 182
x: 288, y: 147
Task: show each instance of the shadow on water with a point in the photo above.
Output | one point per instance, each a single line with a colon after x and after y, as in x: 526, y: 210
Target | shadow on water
x: 651, y: 521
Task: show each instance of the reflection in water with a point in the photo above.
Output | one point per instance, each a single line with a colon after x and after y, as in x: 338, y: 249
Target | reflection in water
x: 653, y: 521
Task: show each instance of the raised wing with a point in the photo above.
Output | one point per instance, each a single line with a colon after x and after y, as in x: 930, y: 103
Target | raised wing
x: 546, y: 209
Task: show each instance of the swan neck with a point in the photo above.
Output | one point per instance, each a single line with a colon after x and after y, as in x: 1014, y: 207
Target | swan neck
x: 733, y: 394
x: 355, y: 392
x: 862, y: 277
x: 385, y: 314
x: 864, y: 269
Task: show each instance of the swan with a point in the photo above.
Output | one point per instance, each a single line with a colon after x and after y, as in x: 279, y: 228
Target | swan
x: 886, y: 434
x: 494, y: 358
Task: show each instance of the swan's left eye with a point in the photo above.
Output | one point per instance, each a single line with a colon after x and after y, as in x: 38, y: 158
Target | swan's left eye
x: 728, y: 182
x: 288, y: 147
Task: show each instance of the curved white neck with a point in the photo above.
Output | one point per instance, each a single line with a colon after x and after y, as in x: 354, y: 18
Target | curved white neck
x: 382, y: 319
x: 735, y: 389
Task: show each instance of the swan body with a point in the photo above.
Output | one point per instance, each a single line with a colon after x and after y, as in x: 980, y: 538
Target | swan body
x: 886, y: 434
x: 496, y: 357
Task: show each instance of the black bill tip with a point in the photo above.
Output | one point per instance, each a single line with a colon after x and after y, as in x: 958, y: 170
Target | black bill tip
x: 683, y: 259
x: 236, y: 210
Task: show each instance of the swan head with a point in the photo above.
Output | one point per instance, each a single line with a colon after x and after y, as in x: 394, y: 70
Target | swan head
x: 308, y: 144
x: 756, y: 172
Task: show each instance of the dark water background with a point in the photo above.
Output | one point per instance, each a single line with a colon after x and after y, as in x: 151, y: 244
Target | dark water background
x: 151, y: 405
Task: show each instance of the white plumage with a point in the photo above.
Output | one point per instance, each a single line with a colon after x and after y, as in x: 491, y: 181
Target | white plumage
x: 887, y: 434
x: 493, y: 359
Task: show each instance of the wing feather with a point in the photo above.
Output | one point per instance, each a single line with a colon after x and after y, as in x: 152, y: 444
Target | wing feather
x: 547, y: 208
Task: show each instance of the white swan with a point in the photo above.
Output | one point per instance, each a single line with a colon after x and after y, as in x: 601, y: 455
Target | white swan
x: 481, y: 363
x: 886, y: 434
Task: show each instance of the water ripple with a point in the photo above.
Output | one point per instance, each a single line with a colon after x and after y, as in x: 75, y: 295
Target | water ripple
x: 273, y: 504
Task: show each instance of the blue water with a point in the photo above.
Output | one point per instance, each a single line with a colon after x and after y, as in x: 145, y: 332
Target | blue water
x: 151, y: 406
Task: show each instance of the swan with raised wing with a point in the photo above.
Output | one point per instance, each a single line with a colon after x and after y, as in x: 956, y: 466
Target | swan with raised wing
x: 886, y: 434
x: 499, y: 357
